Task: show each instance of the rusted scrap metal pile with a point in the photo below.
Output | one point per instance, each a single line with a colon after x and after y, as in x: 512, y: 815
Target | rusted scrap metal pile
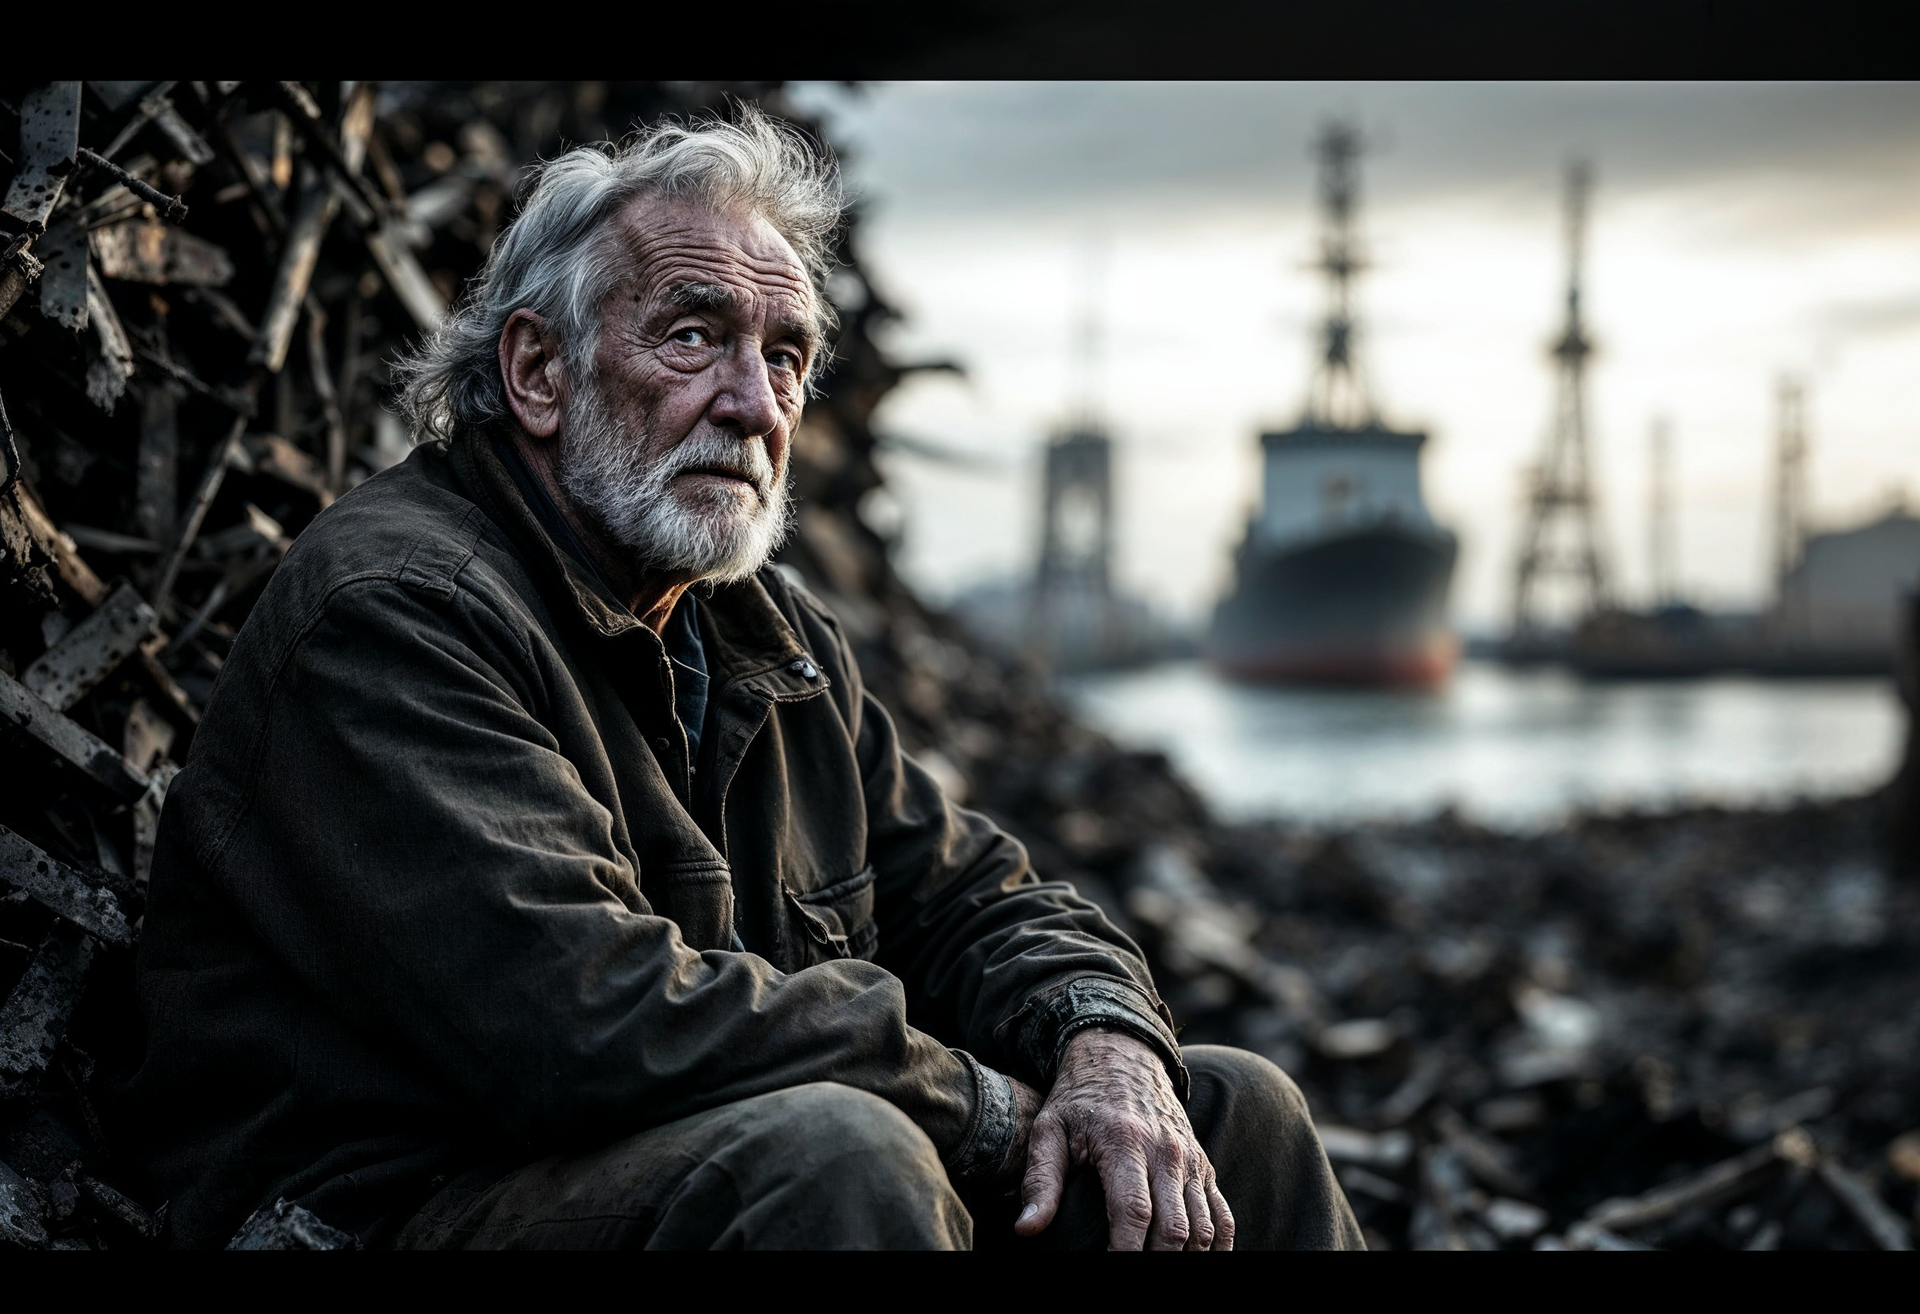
x: 201, y: 286
x: 1690, y: 1031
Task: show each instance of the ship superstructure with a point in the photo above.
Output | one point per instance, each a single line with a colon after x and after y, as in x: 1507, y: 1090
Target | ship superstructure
x: 1343, y: 575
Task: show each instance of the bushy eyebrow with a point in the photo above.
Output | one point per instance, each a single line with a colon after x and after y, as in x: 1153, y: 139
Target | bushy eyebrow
x: 690, y: 294
x: 803, y: 331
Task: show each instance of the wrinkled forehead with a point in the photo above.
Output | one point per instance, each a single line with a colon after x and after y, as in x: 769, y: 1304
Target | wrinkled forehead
x: 736, y: 256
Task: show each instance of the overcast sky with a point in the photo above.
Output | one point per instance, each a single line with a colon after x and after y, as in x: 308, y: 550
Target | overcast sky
x: 1737, y: 231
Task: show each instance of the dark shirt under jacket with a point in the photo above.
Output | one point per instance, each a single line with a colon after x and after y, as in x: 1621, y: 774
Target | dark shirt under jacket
x: 437, y: 888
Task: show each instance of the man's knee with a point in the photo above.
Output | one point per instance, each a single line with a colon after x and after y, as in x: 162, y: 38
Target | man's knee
x: 1246, y: 1075
x: 1241, y: 1103
x: 1254, y: 1124
x: 844, y: 1132
x: 832, y: 1159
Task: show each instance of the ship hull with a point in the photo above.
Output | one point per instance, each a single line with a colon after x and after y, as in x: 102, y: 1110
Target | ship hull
x: 1366, y: 608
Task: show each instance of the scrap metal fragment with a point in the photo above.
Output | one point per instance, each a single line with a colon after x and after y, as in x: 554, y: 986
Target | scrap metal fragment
x: 1486, y: 1158
x: 23, y: 1211
x: 254, y: 174
x: 170, y: 208
x: 1584, y: 1236
x: 119, y: 1207
x: 1389, y: 1150
x: 61, y: 890
x: 275, y: 456
x: 92, y: 650
x: 342, y: 158
x: 60, y: 550
x: 1887, y: 1229
x: 108, y: 372
x: 404, y: 275
x: 156, y: 471
x: 9, y: 452
x: 322, y: 376
x: 18, y: 267
x: 148, y: 736
x: 106, y: 540
x: 1354, y: 1178
x: 49, y: 134
x: 118, y: 95
x: 23, y: 562
x: 1514, y: 1220
x: 146, y: 821
x: 35, y: 1016
x: 1440, y: 1212
x: 143, y: 251
x: 284, y: 1225
x: 158, y: 107
x: 318, y: 206
x: 63, y: 284
x: 1723, y: 1181
x: 68, y: 741
x: 203, y: 497
x: 1421, y: 1084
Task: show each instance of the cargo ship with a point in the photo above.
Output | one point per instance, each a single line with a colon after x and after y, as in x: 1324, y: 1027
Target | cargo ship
x: 1342, y: 577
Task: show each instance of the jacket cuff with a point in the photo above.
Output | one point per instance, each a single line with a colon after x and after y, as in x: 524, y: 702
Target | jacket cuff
x: 989, y: 1136
x: 1054, y: 1017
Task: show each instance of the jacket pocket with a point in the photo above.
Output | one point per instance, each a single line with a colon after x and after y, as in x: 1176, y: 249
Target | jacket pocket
x: 839, y: 917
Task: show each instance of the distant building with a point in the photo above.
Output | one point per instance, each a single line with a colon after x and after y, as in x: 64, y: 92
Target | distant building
x: 1069, y: 615
x: 1847, y: 589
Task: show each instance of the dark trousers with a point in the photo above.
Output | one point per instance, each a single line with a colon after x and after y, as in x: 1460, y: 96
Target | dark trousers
x: 827, y: 1167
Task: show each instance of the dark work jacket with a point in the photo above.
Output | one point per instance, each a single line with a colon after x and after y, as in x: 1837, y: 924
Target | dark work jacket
x: 437, y: 888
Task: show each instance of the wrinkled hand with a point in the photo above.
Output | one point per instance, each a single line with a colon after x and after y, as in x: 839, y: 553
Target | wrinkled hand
x: 1112, y: 1106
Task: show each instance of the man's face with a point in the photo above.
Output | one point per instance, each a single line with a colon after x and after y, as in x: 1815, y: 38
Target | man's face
x: 678, y: 447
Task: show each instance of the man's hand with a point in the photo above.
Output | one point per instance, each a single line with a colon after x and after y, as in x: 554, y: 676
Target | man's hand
x: 1112, y: 1106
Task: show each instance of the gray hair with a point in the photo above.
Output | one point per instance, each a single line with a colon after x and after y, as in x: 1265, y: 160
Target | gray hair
x: 561, y: 257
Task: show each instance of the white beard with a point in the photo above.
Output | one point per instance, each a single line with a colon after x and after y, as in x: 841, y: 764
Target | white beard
x: 706, y: 532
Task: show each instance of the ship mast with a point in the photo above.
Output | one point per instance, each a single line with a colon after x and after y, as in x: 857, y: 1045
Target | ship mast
x: 1337, y: 397
x: 1789, y: 481
x: 1663, y: 572
x: 1561, y: 538
x: 1790, y: 507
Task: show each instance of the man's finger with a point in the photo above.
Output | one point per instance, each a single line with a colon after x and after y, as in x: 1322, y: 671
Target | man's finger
x: 1046, y: 1174
x: 1123, y: 1175
x: 1199, y: 1215
x: 1170, y: 1222
x: 1222, y: 1215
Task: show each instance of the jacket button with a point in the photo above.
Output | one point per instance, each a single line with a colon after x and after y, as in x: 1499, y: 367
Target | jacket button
x: 803, y: 668
x: 661, y: 743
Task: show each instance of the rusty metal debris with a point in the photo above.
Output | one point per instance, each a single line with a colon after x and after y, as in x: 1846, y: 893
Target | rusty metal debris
x: 1594, y: 1038
x: 284, y: 1225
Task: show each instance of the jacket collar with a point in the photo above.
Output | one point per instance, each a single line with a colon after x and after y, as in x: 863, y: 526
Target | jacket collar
x: 749, y: 641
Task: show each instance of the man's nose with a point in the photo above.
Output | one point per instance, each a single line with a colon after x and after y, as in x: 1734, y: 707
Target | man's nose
x: 746, y: 400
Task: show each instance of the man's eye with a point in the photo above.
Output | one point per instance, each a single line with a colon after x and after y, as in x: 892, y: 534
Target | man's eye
x: 786, y: 360
x: 690, y: 337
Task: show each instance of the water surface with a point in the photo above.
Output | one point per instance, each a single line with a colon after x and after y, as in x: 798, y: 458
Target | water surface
x: 1514, y: 748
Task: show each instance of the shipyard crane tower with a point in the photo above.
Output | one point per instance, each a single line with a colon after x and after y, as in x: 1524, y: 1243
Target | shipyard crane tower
x: 1790, y: 503
x: 1663, y: 571
x: 1071, y: 608
x: 1789, y: 480
x: 1561, y: 541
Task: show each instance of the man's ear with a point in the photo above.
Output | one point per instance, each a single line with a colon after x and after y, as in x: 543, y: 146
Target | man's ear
x: 531, y: 369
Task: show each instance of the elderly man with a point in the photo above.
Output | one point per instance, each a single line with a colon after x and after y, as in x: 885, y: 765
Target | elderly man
x: 543, y: 876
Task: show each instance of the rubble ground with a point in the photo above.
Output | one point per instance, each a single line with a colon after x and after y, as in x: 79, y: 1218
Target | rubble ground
x: 1686, y: 1030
